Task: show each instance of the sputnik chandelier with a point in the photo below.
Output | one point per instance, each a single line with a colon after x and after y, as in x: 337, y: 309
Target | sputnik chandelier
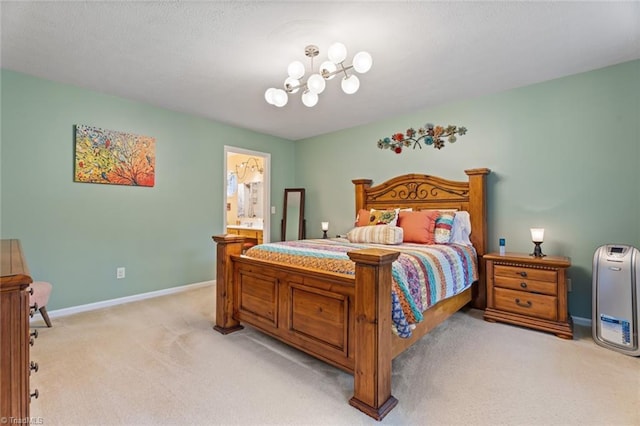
x: 316, y: 83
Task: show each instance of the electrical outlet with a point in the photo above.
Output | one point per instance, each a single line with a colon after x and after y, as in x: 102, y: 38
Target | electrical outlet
x: 569, y: 284
x: 273, y: 209
x: 120, y: 272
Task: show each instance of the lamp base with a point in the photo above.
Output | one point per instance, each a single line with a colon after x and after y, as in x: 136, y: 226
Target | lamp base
x: 537, y: 250
x: 324, y: 234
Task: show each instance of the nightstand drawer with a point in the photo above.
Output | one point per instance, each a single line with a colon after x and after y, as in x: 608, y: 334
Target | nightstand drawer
x: 520, y: 302
x: 528, y: 285
x: 522, y: 272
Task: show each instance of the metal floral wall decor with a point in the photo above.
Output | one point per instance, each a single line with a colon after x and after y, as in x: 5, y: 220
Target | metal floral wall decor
x: 429, y: 135
x: 116, y: 158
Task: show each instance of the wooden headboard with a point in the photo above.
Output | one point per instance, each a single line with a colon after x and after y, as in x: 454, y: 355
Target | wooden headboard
x: 421, y: 192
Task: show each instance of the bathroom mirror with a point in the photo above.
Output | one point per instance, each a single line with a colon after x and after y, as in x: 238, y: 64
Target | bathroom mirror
x: 293, y: 223
x: 249, y: 202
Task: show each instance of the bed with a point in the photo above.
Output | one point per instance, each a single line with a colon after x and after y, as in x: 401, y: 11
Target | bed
x: 345, y: 319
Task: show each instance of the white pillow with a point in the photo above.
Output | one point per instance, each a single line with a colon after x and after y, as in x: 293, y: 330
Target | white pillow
x: 461, y: 228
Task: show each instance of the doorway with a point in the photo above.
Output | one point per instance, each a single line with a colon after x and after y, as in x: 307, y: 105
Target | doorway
x: 247, y: 196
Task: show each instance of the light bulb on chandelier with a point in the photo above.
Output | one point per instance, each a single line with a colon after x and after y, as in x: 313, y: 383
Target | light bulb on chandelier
x: 309, y: 98
x: 316, y: 83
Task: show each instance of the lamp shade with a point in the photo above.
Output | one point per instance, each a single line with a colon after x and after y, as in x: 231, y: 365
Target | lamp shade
x: 316, y: 83
x: 537, y: 235
x: 280, y: 98
x: 325, y: 226
x: 337, y: 53
x: 296, y: 70
x: 362, y: 62
x: 292, y: 82
x: 309, y: 98
x: 327, y: 67
x: 350, y: 85
x: 268, y: 95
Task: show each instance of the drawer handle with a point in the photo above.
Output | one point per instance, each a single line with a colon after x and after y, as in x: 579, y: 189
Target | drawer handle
x: 34, y: 334
x: 524, y: 305
x: 33, y: 366
x: 523, y: 274
x: 523, y: 285
x: 35, y: 394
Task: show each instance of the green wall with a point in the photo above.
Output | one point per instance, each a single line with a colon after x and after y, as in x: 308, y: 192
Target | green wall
x: 76, y: 234
x: 564, y: 155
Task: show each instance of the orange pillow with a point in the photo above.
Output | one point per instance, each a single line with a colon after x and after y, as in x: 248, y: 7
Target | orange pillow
x: 419, y: 226
x: 363, y: 218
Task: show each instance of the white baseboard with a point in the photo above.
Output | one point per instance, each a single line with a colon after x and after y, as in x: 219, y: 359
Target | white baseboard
x: 582, y: 321
x: 121, y: 300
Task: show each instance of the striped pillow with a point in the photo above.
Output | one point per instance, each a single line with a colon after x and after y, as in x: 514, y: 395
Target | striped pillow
x: 444, y: 224
x: 384, y: 234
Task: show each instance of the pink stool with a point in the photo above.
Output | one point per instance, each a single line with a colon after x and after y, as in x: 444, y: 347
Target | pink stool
x: 41, y: 290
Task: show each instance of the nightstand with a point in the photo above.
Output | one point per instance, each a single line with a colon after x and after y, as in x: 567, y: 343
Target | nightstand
x: 529, y: 291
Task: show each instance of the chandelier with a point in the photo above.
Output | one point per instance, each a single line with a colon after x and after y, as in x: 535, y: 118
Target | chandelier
x: 316, y: 83
x: 251, y: 165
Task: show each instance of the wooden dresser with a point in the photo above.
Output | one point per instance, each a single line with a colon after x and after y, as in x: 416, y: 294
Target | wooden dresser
x: 528, y: 291
x: 15, y: 338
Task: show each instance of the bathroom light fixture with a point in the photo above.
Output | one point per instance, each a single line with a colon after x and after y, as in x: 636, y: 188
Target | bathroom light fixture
x: 316, y: 82
x: 251, y: 165
x: 537, y: 236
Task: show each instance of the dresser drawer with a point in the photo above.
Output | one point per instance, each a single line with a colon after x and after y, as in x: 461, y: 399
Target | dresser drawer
x: 521, y: 302
x: 523, y: 272
x: 525, y: 284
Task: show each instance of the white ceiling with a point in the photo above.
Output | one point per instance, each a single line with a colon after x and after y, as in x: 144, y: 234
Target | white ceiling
x: 216, y: 59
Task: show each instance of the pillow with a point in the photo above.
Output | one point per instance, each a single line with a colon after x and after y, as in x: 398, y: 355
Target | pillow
x: 383, y: 217
x: 376, y: 234
x: 443, y: 225
x: 378, y: 217
x: 461, y: 229
x: 418, y: 227
x: 363, y: 218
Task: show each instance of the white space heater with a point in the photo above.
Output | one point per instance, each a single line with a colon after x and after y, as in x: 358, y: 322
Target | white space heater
x: 616, y: 298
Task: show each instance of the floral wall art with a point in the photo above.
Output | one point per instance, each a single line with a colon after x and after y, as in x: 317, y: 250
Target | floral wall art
x: 430, y: 135
x: 112, y: 157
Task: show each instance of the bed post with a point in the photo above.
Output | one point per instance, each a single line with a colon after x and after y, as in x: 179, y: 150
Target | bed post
x: 478, y: 217
x: 372, y: 312
x: 226, y: 246
x: 361, y: 186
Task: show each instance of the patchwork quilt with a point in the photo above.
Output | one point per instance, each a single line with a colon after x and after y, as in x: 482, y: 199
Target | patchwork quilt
x: 422, y: 275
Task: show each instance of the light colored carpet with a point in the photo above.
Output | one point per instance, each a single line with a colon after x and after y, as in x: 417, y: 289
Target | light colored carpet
x: 159, y: 362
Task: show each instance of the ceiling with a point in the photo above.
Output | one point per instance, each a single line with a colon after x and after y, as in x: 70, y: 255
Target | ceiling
x: 216, y: 59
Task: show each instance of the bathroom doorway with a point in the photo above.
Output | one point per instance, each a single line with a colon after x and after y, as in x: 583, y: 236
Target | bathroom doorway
x: 247, y: 203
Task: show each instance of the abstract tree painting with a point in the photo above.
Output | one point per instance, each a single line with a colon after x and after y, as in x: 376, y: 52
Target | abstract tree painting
x: 116, y: 158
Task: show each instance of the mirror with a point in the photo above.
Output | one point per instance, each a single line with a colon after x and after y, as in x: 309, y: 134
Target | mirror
x: 250, y: 204
x: 293, y: 223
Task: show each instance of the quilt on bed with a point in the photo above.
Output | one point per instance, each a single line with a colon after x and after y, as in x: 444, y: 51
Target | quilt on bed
x: 422, y: 275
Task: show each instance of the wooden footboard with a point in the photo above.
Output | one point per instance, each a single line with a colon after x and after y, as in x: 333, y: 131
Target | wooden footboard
x: 343, y: 320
